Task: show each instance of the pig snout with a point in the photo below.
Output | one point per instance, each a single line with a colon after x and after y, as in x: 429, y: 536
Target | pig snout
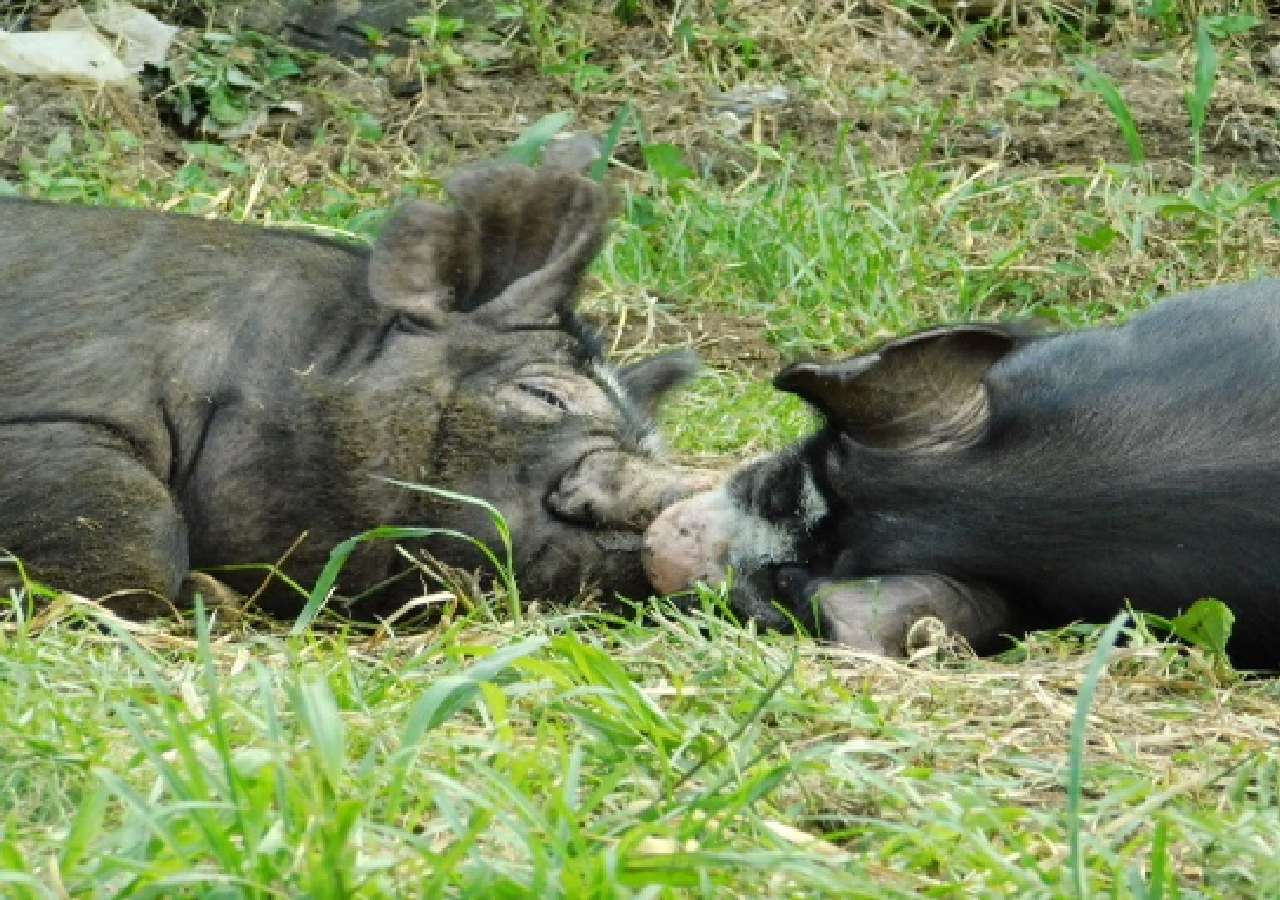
x: 688, y: 543
x: 618, y: 490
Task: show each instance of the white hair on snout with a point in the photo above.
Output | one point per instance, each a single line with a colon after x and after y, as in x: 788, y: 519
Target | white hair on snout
x: 813, y: 506
x: 757, y: 541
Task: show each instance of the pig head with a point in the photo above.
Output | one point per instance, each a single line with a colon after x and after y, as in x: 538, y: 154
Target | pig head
x: 181, y: 393
x: 1001, y: 479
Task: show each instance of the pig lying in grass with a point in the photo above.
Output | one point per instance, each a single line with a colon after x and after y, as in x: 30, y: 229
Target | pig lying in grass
x: 180, y: 393
x: 1003, y: 480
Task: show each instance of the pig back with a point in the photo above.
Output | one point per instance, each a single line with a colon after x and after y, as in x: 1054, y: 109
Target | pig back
x: 1191, y: 384
x: 1140, y: 461
x: 145, y: 322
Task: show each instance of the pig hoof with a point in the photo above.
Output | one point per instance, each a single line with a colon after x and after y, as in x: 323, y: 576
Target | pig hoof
x: 926, y: 633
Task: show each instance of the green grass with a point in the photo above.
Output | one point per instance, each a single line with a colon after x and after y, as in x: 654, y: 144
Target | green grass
x: 523, y: 751
x: 560, y: 758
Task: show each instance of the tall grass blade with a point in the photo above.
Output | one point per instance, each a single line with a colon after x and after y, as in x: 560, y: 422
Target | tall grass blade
x: 505, y: 567
x: 13, y: 881
x: 1075, y: 769
x: 322, y: 722
x: 1159, y: 861
x: 1105, y: 88
x: 528, y: 147
x: 450, y: 693
x: 86, y: 825
x: 625, y: 114
x: 1206, y: 71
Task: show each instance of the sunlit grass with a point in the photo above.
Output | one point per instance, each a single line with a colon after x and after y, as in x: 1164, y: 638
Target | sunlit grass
x: 562, y: 759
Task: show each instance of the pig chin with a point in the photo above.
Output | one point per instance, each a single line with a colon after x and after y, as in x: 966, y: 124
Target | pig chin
x: 574, y: 556
x: 607, y: 563
x: 776, y: 596
x: 568, y: 560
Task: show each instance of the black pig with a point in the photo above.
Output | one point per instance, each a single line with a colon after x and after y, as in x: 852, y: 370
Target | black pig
x: 1004, y: 480
x: 179, y: 393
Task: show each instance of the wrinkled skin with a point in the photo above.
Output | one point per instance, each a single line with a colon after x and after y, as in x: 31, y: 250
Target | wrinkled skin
x: 1002, y: 479
x: 181, y: 393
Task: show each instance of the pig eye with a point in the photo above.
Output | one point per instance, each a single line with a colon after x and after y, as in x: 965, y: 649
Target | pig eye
x: 551, y: 398
x: 409, y: 325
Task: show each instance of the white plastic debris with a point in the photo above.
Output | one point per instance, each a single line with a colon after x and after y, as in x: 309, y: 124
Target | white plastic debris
x: 74, y: 49
x: 732, y: 111
x: 76, y: 52
x: 746, y: 99
x: 142, y: 37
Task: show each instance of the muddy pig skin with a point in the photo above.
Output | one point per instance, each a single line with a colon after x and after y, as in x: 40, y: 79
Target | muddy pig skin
x: 180, y: 393
x: 1002, y: 479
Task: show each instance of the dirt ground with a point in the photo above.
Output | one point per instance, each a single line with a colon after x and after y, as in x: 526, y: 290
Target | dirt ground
x: 1010, y: 98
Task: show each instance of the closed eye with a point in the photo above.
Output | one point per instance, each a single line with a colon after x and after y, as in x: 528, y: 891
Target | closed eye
x: 413, y: 325
x: 551, y: 398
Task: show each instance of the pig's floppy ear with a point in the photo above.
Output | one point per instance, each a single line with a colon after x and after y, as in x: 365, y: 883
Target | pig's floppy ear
x: 426, y: 257
x: 538, y: 232
x: 918, y: 392
x: 649, y: 380
x: 515, y: 243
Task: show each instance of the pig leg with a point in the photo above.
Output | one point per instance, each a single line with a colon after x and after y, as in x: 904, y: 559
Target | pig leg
x: 876, y: 614
x: 88, y: 517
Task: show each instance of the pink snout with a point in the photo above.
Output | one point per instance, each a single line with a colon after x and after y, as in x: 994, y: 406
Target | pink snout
x: 688, y: 543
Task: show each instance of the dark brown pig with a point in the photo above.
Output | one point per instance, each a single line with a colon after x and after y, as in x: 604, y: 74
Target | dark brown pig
x: 1003, y: 480
x: 180, y: 393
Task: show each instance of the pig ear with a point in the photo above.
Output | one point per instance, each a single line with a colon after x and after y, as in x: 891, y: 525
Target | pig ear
x: 572, y: 154
x: 650, y: 380
x: 922, y: 391
x: 515, y: 244
x: 425, y: 258
x: 537, y: 231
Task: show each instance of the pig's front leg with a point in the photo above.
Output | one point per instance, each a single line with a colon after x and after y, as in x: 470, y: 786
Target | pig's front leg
x: 86, y: 516
x: 876, y: 614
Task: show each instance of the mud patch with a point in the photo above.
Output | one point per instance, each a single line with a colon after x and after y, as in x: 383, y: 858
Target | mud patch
x: 857, y: 76
x: 724, y: 340
x: 1046, y: 117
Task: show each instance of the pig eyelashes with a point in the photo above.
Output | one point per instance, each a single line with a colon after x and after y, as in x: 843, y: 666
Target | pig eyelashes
x: 563, y: 394
x: 414, y: 324
x: 547, y: 396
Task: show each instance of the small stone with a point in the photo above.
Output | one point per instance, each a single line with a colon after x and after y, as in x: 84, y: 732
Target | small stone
x: 746, y: 99
x: 1271, y: 62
